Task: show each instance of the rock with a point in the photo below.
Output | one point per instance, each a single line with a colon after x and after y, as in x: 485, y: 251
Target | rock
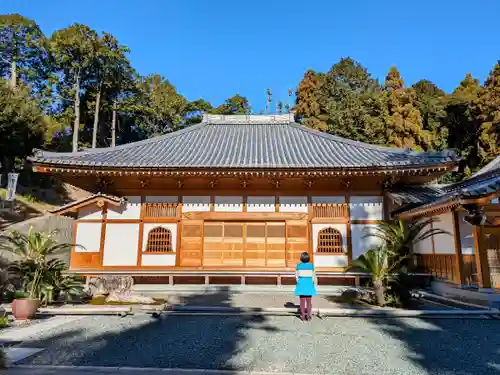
x: 104, y: 285
x: 2, y: 312
x: 126, y: 296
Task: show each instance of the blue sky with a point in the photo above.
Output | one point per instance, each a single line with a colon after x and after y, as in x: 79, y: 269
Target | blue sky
x: 215, y: 49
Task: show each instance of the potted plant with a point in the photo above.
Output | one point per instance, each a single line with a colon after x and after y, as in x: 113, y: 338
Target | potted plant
x: 33, y: 267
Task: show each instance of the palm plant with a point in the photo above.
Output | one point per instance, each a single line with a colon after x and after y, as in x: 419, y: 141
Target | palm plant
x: 34, y: 267
x: 399, y: 237
x: 381, y: 263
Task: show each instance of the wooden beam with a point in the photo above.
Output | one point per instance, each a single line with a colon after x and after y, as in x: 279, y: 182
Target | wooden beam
x: 483, y: 269
x: 459, y: 260
x: 245, y: 216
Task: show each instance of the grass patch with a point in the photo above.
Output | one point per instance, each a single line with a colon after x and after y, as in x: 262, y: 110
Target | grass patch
x: 101, y: 301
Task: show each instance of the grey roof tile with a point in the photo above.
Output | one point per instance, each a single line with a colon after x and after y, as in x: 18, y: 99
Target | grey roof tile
x: 247, y: 145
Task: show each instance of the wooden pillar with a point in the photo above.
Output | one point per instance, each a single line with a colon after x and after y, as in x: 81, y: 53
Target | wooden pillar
x: 459, y: 260
x: 483, y: 269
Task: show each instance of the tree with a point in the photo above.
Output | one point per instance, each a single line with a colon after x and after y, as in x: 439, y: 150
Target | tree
x: 404, y: 126
x: 429, y: 100
x: 487, y: 106
x: 22, y: 124
x: 110, y: 69
x: 353, y: 102
x: 462, y: 121
x: 22, y: 50
x: 195, y: 109
x: 307, y: 107
x: 159, y: 108
x: 235, y: 105
x: 75, y: 52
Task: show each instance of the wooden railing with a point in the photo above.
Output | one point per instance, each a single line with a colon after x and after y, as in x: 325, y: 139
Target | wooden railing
x: 330, y: 210
x: 160, y: 210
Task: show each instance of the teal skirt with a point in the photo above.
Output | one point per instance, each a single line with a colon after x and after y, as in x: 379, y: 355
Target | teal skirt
x: 305, y: 287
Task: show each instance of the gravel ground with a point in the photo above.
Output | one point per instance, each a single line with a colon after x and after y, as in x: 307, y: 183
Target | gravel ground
x: 277, y: 344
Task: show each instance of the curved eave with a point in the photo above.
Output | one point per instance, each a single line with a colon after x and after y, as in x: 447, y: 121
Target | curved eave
x: 444, y: 204
x: 252, y: 171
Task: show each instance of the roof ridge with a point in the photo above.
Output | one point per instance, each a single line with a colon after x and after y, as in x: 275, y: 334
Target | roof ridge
x: 125, y: 146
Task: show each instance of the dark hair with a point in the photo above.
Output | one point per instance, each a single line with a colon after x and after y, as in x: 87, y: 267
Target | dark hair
x: 304, y: 257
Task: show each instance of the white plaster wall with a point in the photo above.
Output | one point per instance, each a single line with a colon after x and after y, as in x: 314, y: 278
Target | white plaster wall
x: 228, y: 204
x: 293, y: 204
x: 121, y: 244
x: 360, y: 243
x: 90, y: 212
x: 261, y: 204
x: 466, y: 236
x: 158, y: 260
x: 330, y: 260
x: 131, y: 210
x: 444, y: 243
x: 342, y: 228
x: 195, y: 204
x: 161, y: 199
x: 88, y: 235
x: 423, y: 247
x: 149, y: 226
x: 332, y: 200
x: 367, y: 208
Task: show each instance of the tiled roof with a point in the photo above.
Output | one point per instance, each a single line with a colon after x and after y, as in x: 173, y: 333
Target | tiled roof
x: 247, y: 142
x: 110, y: 199
x: 484, y: 183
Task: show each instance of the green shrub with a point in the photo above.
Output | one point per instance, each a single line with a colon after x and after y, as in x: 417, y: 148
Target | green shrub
x: 4, y: 321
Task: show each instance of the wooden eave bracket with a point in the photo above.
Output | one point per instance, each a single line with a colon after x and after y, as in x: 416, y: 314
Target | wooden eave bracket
x: 98, y: 200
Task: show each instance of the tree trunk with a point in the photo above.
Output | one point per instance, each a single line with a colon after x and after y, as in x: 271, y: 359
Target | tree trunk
x: 113, y: 128
x: 76, y: 124
x: 13, y: 74
x: 96, y: 117
x: 378, y: 287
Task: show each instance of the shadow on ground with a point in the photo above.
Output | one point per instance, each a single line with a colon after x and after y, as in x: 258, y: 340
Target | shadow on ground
x: 167, y: 341
x: 468, y: 345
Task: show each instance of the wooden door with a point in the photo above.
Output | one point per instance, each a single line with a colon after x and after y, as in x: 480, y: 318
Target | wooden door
x: 276, y: 244
x: 297, y: 241
x: 255, y: 244
x: 191, y: 243
x: 223, y: 244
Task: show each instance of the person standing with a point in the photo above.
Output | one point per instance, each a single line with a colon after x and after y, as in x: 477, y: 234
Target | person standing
x: 305, y: 287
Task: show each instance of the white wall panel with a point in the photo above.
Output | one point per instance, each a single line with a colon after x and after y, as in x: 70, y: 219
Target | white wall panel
x: 332, y: 200
x: 293, y: 204
x: 90, y: 212
x: 158, y: 260
x: 360, y: 243
x: 195, y: 204
x: 423, y: 247
x: 444, y: 243
x: 228, y: 204
x: 149, y: 226
x: 130, y: 210
x: 121, y: 244
x: 342, y: 228
x: 161, y: 199
x: 88, y: 235
x: 261, y: 204
x: 466, y: 236
x: 367, y: 208
x: 330, y: 260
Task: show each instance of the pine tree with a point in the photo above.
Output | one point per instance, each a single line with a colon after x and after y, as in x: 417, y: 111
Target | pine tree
x: 404, y: 126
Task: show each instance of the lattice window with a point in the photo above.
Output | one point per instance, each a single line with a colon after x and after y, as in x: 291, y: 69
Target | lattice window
x: 159, y: 241
x: 160, y: 210
x: 329, y: 210
x: 330, y: 241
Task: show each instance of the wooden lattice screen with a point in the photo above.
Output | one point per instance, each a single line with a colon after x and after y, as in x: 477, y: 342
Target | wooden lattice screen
x: 160, y: 210
x: 159, y: 241
x: 330, y: 241
x: 329, y: 210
